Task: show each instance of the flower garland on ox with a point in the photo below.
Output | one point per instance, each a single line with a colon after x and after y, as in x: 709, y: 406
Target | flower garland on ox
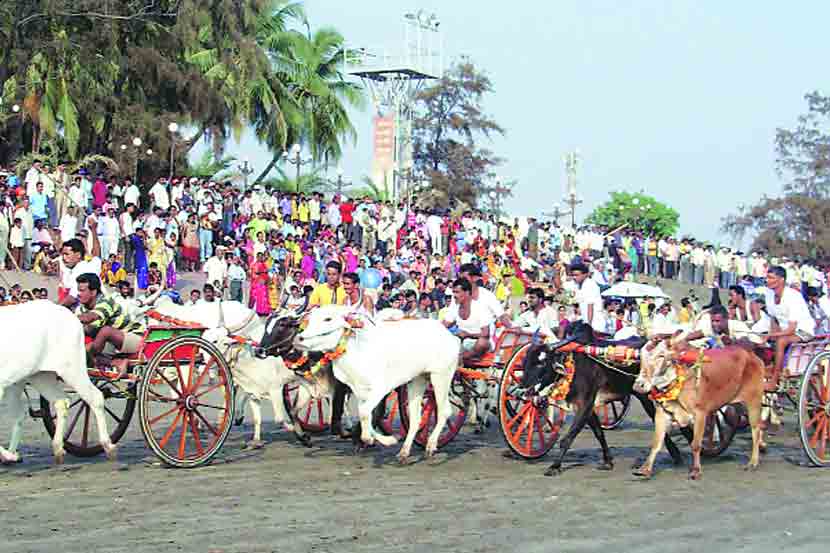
x: 563, y: 386
x: 327, y: 358
x: 673, y: 391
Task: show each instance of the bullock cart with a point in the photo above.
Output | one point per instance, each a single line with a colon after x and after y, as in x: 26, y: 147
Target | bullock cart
x: 181, y: 385
x: 474, y: 384
x: 530, y: 420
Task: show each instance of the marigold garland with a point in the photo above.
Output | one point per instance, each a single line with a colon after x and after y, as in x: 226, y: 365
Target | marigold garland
x: 672, y: 392
x: 560, y: 391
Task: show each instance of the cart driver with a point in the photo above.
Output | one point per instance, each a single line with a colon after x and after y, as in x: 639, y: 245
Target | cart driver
x: 720, y: 331
x: 470, y: 321
x: 105, y: 320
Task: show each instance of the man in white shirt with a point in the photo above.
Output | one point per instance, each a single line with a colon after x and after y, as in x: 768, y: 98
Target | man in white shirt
x: 470, y: 321
x: 73, y: 265
x: 434, y: 223
x: 539, y: 318
x: 791, y: 319
x: 588, y: 297
x: 216, y: 268
x: 32, y: 178
x: 108, y: 229
x: 132, y: 195
x: 161, y: 198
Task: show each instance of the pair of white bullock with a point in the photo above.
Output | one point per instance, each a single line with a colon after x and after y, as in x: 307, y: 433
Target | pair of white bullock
x: 379, y: 357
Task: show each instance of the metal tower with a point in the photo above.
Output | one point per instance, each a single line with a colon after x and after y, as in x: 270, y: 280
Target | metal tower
x: 394, y: 77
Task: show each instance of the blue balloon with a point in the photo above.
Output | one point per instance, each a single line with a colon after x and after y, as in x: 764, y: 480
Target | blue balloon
x: 372, y: 278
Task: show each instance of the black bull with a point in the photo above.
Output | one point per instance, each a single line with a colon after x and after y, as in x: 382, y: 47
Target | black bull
x: 541, y: 368
x: 278, y: 341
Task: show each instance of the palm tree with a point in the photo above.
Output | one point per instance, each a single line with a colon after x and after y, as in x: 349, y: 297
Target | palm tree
x: 209, y: 166
x: 311, y: 64
x: 373, y: 191
x: 313, y: 181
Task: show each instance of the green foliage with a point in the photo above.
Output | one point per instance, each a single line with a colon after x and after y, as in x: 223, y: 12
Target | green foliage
x: 312, y: 181
x: 209, y: 166
x: 90, y: 75
x: 450, y: 130
x: 639, y: 211
x: 371, y: 190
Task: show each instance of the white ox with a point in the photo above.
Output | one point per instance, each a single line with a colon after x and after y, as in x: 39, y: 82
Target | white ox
x: 49, y: 344
x: 380, y: 357
x: 257, y: 379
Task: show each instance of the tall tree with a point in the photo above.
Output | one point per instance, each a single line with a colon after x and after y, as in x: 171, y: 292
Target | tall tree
x: 92, y: 74
x: 450, y: 128
x: 798, y: 221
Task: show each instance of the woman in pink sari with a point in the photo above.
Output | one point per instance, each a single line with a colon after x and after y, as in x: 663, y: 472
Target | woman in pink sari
x: 259, y: 286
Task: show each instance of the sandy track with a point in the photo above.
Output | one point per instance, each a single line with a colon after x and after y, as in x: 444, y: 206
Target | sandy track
x: 288, y: 498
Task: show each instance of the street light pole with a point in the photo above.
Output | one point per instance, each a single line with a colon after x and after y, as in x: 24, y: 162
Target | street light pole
x: 572, y: 160
x: 173, y: 128
x: 137, y: 143
x: 501, y: 188
x: 246, y: 171
x: 295, y: 159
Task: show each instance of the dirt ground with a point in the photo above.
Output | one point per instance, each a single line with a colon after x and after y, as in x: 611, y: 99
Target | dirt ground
x: 291, y: 499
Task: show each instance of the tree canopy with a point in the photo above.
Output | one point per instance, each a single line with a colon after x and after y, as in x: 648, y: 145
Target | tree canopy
x: 89, y: 75
x: 798, y: 221
x: 639, y: 211
x: 450, y: 130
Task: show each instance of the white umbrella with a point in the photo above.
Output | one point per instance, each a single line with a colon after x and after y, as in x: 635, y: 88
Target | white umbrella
x: 634, y: 290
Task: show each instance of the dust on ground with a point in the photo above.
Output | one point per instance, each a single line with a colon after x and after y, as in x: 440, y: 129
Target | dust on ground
x: 470, y: 498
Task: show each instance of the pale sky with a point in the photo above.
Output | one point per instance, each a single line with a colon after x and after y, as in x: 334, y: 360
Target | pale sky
x: 678, y: 98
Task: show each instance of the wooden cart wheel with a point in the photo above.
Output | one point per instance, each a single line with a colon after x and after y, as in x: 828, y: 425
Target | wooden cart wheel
x: 185, y: 402
x: 814, y: 410
x: 612, y: 414
x: 721, y: 427
x: 459, y: 397
x: 315, y: 417
x: 529, y: 423
x: 80, y: 436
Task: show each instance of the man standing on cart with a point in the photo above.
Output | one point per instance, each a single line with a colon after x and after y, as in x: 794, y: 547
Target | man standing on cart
x: 107, y: 322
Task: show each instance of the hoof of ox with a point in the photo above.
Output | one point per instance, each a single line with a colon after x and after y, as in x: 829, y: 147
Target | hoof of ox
x: 553, y: 471
x: 9, y: 458
x: 111, y: 452
x: 643, y: 472
x: 605, y: 466
x: 385, y: 440
x: 749, y: 467
x: 694, y: 474
x: 403, y: 460
x: 254, y: 444
x: 304, y: 439
x: 763, y: 447
x: 60, y: 458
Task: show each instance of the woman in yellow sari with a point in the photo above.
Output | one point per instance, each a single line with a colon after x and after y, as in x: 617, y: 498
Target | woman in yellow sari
x: 158, y: 249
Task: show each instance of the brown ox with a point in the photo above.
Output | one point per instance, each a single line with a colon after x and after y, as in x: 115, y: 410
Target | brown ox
x: 727, y: 375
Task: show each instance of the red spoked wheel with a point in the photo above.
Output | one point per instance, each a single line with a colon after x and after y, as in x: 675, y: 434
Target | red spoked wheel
x: 80, y: 437
x: 529, y: 423
x: 315, y: 417
x: 721, y: 427
x: 185, y: 402
x: 612, y: 414
x: 391, y: 422
x: 814, y: 410
x: 459, y: 397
